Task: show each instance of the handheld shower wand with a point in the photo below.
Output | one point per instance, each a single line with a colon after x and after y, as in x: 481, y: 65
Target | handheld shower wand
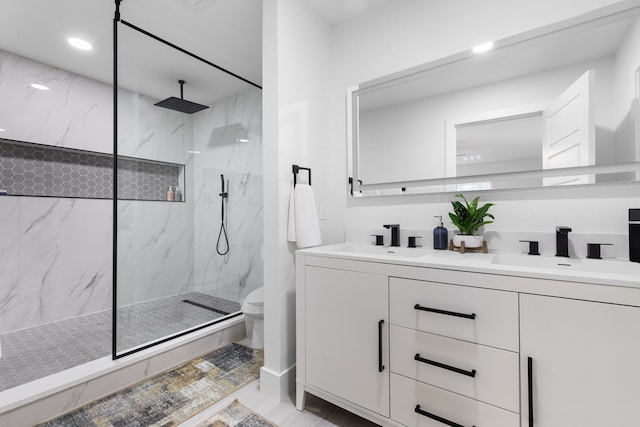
x: 223, y: 228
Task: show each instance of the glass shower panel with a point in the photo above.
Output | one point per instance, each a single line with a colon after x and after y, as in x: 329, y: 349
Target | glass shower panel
x: 172, y: 159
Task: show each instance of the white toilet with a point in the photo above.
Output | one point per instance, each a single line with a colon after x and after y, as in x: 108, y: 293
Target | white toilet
x: 253, y: 309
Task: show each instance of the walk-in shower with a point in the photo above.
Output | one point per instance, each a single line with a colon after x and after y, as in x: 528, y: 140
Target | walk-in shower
x: 99, y: 258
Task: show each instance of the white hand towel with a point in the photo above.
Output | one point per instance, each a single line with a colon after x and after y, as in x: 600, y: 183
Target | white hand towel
x: 291, y: 226
x: 307, y: 228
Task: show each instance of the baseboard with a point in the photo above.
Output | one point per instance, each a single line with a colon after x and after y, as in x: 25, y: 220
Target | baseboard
x: 278, y: 386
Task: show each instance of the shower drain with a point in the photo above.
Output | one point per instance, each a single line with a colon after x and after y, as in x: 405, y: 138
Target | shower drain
x: 206, y: 307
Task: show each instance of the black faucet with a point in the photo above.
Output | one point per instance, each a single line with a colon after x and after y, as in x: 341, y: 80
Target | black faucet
x: 395, y: 233
x: 562, y: 241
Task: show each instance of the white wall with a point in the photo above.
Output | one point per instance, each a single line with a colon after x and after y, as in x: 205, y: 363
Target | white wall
x: 307, y: 69
x: 296, y: 75
x: 403, y: 34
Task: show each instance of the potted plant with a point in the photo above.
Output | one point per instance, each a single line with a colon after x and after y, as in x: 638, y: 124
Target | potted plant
x: 469, y: 217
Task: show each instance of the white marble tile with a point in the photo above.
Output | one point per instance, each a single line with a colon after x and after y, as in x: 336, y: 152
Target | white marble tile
x: 230, y: 143
x: 151, y: 132
x: 9, y: 222
x: 64, y: 261
x: 76, y: 111
x: 157, y: 260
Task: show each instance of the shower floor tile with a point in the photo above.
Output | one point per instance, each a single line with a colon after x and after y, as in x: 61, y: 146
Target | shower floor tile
x: 32, y: 353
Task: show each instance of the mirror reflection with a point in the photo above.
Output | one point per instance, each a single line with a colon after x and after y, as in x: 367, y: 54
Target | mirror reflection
x: 539, y: 103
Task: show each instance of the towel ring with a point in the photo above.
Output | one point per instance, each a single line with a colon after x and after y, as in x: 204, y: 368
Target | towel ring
x: 296, y: 169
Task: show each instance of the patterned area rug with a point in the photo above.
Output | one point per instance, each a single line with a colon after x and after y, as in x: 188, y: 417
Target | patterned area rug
x: 173, y: 396
x: 236, y: 414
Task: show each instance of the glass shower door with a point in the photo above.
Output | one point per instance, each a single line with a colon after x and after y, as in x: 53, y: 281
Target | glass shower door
x: 168, y: 104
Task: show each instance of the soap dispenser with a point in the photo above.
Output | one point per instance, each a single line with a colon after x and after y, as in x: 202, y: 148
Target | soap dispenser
x: 440, y: 235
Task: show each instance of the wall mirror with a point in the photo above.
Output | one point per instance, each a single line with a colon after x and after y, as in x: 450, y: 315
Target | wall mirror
x: 554, y: 106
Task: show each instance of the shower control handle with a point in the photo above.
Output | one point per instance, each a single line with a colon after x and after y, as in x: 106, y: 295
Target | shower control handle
x: 224, y: 193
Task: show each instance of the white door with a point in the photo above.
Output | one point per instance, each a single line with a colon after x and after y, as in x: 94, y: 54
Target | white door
x: 584, y: 363
x: 347, y: 336
x: 570, y: 131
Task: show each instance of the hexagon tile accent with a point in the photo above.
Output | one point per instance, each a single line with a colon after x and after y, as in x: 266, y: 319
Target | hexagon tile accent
x: 38, y: 170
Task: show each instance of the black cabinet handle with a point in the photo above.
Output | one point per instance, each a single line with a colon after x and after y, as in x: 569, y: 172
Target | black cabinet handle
x: 380, y: 365
x: 448, y: 313
x: 437, y: 418
x: 530, y: 389
x: 471, y: 373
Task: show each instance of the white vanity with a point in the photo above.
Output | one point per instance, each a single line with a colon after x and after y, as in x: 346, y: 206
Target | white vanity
x: 413, y: 337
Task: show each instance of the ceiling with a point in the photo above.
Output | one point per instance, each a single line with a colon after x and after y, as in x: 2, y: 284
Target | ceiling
x: 542, y: 52
x: 335, y: 12
x: 225, y: 32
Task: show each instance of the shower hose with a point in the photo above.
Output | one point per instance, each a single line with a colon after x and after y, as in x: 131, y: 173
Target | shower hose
x: 223, y: 228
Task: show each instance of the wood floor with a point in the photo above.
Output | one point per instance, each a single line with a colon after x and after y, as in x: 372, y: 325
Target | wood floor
x: 317, y: 413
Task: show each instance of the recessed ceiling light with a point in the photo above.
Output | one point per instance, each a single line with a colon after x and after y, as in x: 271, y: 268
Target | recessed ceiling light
x: 79, y: 43
x: 39, y: 86
x: 2, y: 130
x: 484, y: 47
x: 193, y: 152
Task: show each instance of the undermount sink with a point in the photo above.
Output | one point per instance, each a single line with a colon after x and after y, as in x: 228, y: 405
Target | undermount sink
x: 382, y: 250
x: 574, y: 265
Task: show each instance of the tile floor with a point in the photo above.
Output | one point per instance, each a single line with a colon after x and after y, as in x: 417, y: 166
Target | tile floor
x: 36, y: 352
x: 317, y: 412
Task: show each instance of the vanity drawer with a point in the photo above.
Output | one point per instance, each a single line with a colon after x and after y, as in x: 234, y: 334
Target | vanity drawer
x: 407, y: 394
x: 484, y: 316
x: 495, y: 380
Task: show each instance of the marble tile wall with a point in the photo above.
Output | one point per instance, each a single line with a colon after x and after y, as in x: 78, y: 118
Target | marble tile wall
x: 55, y: 254
x: 75, y: 112
x: 229, y: 139
x: 55, y: 259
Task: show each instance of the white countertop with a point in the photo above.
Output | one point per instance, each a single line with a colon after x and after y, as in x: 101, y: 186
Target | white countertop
x: 614, y: 272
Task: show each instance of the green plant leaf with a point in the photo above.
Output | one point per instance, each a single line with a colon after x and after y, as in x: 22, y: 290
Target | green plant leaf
x: 468, y: 217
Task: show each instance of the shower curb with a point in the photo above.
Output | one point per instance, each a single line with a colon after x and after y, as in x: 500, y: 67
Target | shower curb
x: 42, y: 399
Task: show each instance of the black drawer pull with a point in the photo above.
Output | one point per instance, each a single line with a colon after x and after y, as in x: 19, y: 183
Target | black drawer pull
x: 448, y: 313
x: 530, y: 388
x: 471, y: 373
x: 437, y: 418
x: 380, y: 365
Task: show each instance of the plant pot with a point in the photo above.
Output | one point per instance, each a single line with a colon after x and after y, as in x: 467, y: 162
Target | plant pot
x: 469, y: 240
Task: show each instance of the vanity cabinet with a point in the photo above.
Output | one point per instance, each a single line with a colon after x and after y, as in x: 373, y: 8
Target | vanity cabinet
x: 423, y: 346
x: 579, y: 362
x: 347, y: 338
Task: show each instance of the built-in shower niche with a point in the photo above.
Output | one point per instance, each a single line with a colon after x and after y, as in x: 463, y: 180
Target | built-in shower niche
x: 29, y: 169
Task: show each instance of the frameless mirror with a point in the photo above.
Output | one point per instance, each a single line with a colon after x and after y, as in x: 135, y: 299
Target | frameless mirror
x: 553, y: 106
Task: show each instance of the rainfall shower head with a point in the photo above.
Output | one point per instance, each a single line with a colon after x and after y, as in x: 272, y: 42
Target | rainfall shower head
x: 181, y: 104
